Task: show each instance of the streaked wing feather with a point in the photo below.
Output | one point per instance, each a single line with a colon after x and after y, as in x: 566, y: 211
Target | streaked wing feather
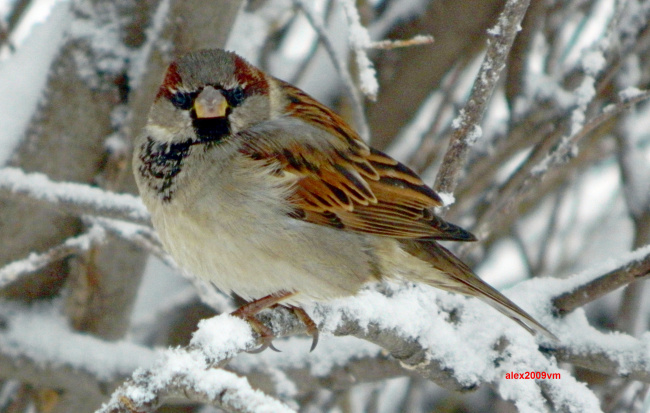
x: 462, y: 280
x: 343, y: 183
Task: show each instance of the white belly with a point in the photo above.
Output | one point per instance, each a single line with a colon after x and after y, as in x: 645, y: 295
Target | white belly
x: 255, y: 257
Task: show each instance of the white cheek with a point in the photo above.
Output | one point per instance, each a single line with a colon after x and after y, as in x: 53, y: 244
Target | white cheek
x: 170, y: 126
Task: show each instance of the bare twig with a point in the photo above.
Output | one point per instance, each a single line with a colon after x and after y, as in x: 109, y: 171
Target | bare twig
x: 72, y: 198
x: 602, y: 285
x: 467, y: 126
x: 540, y: 163
x: 341, y: 68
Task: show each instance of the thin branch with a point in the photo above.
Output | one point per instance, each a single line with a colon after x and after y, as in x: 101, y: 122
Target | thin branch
x: 34, y: 262
x: 540, y: 163
x: 341, y: 68
x: 602, y: 285
x: 142, y: 236
x: 394, y: 44
x: 72, y: 198
x: 466, y: 126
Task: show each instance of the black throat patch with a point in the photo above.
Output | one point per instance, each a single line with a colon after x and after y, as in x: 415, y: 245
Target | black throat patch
x: 161, y: 162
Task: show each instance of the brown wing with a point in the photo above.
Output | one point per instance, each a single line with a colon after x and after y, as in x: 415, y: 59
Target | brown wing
x: 460, y: 279
x: 343, y: 183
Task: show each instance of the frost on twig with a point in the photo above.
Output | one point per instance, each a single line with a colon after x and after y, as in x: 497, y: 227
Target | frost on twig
x: 193, y: 374
x: 394, y: 44
x: 34, y: 262
x: 466, y: 128
x: 73, y: 198
x: 619, y: 277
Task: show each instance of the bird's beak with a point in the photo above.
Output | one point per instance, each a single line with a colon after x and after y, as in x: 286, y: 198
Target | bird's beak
x: 210, y: 103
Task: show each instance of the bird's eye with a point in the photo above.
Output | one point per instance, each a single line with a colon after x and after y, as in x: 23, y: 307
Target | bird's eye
x: 235, y: 96
x: 182, y: 100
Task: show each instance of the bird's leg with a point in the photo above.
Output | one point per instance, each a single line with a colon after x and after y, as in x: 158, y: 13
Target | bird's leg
x: 312, y: 328
x: 248, y: 312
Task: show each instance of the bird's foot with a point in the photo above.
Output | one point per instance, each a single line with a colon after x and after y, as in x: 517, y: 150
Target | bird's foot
x: 248, y: 312
x: 312, y: 328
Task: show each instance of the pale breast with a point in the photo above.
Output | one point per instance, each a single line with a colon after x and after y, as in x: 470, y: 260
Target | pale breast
x: 230, y: 226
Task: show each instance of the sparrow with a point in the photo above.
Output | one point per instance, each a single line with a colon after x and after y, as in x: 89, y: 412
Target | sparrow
x: 263, y: 191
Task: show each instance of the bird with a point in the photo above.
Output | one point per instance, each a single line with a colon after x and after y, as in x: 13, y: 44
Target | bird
x: 260, y: 189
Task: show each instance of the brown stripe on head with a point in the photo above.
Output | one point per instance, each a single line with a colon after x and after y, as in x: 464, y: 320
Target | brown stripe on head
x: 252, y: 77
x: 171, y: 82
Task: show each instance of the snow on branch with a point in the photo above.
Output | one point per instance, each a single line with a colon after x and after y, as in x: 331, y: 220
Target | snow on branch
x: 360, y: 41
x: 416, y: 327
x: 567, y: 146
x: 553, y: 150
x: 73, y: 198
x: 186, y: 375
x: 142, y: 236
x: 38, y: 346
x: 34, y: 262
x: 338, y: 361
x: 466, y: 127
x: 193, y: 374
x: 394, y: 44
x: 619, y: 277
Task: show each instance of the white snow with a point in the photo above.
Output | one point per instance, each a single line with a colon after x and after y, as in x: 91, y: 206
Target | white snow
x: 448, y: 198
x: 593, y: 62
x: 188, y: 370
x: 24, y: 73
x: 630, y: 93
x: 41, y: 333
x: 359, y: 42
x: 10, y: 272
x: 39, y: 186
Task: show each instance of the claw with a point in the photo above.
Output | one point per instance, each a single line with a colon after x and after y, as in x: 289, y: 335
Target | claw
x: 272, y: 347
x: 312, y: 328
x: 248, y: 311
x: 259, y: 349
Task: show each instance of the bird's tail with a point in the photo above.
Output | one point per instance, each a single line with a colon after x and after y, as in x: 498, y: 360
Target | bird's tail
x: 460, y: 279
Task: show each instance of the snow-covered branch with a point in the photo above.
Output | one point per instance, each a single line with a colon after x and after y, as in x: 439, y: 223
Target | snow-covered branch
x: 38, y: 347
x: 72, y: 198
x: 34, y: 262
x: 186, y: 375
x: 437, y: 347
x: 460, y: 352
x: 193, y: 374
x: 631, y: 271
